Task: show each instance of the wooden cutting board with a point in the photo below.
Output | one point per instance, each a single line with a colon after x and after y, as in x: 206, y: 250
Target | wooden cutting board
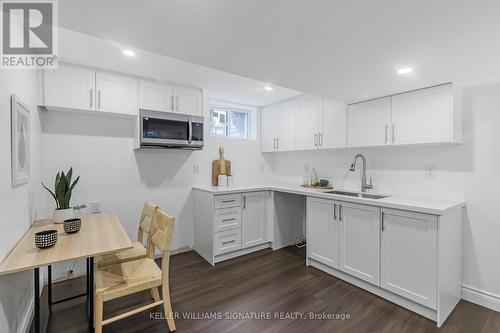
x: 320, y: 187
x: 220, y: 167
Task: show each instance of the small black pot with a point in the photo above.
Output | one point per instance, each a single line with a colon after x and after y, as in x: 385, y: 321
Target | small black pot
x: 45, y: 239
x: 72, y: 225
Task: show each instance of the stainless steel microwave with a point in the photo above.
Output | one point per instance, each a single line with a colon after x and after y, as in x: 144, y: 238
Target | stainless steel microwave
x: 170, y: 130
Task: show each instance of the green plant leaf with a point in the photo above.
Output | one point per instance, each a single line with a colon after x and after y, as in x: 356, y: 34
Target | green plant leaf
x: 53, y: 195
x: 69, y: 175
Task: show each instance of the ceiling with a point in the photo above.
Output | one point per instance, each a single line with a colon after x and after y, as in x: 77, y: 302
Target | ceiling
x: 347, y: 50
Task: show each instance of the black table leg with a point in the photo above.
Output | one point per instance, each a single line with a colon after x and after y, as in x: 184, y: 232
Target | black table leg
x: 49, y: 281
x: 87, y: 280
x: 36, y: 296
x: 90, y: 285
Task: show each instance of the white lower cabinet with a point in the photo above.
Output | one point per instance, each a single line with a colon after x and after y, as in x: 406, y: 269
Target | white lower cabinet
x: 359, y: 241
x: 231, y: 225
x: 253, y: 219
x: 412, y: 259
x: 409, y: 255
x: 322, y: 231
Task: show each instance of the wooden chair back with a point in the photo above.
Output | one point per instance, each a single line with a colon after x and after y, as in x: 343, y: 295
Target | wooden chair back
x: 145, y: 224
x: 161, y: 234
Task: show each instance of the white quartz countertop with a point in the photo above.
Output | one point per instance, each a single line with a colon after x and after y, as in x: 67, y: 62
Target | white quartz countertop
x: 416, y: 204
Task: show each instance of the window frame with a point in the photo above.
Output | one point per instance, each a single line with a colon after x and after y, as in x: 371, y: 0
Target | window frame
x: 230, y: 109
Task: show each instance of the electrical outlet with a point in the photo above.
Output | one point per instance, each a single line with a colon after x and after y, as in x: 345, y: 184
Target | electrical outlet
x: 196, y: 169
x: 95, y: 207
x: 430, y: 172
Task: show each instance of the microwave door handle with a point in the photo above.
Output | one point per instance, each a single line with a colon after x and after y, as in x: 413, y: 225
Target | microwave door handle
x: 190, y: 138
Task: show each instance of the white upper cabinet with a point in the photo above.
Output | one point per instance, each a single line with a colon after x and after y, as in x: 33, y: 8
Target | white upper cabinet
x: 285, y: 126
x: 69, y: 87
x: 156, y: 96
x: 333, y: 125
x: 429, y: 115
x: 423, y: 116
x: 188, y: 100
x: 322, y: 231
x: 308, y: 119
x: 409, y: 255
x: 278, y: 127
x: 116, y: 93
x: 253, y: 219
x: 359, y: 241
x: 305, y: 122
x: 269, y: 119
x: 369, y: 123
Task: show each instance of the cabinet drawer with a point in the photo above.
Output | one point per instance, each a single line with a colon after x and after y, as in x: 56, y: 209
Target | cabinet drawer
x: 227, y: 219
x: 227, y: 200
x: 227, y: 241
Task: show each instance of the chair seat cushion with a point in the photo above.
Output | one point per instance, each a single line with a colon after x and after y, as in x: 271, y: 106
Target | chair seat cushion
x: 127, y: 278
x: 137, y: 251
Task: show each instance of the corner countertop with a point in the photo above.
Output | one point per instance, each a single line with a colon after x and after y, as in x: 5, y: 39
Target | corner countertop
x: 415, y: 204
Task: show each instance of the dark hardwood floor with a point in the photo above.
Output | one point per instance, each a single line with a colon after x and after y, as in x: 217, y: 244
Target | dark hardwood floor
x: 269, y: 282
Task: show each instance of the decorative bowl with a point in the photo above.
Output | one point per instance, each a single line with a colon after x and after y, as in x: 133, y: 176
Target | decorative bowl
x: 45, y: 239
x: 72, y: 225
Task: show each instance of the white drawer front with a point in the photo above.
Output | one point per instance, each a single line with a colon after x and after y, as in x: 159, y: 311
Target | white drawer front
x: 227, y: 241
x: 227, y: 200
x: 227, y: 219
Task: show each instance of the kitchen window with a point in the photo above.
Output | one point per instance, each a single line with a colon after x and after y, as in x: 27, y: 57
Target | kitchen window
x: 229, y: 122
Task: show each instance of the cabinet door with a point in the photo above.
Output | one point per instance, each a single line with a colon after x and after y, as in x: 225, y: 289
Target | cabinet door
x: 116, y: 94
x: 359, y: 240
x: 155, y: 96
x: 253, y: 219
x: 269, y: 131
x: 369, y: 123
x: 285, y: 125
x: 69, y: 87
x: 333, y: 124
x: 187, y: 100
x: 409, y: 255
x: 422, y: 116
x: 307, y: 122
x: 322, y: 231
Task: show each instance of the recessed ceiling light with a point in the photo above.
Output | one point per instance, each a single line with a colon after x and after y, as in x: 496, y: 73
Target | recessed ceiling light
x: 129, y: 53
x: 405, y: 70
x: 268, y: 88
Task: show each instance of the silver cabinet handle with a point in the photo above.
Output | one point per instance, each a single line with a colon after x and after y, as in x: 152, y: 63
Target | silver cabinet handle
x: 99, y: 98
x: 274, y: 143
x: 244, y: 202
x: 386, y: 133
x: 382, y: 226
x: 320, y: 136
x: 228, y: 242
x: 91, y: 105
x: 278, y: 143
x: 393, y: 133
x: 340, y: 213
x: 172, y: 102
x: 228, y: 220
x: 177, y: 102
x: 334, y: 212
x: 315, y: 139
x: 227, y: 201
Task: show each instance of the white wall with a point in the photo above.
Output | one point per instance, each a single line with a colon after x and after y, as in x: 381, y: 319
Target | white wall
x: 19, y: 206
x: 100, y: 150
x: 468, y: 171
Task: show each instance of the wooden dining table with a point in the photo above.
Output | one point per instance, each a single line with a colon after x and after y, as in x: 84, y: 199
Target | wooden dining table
x: 99, y: 234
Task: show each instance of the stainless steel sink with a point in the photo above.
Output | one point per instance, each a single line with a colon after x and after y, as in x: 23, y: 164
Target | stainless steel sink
x: 359, y: 195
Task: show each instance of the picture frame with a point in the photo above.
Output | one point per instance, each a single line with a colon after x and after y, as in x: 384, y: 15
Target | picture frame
x: 20, y: 141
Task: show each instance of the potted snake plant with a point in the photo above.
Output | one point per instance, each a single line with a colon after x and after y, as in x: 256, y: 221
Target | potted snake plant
x: 62, y: 195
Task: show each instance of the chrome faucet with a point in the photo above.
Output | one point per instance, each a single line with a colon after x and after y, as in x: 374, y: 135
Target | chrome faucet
x: 364, y: 185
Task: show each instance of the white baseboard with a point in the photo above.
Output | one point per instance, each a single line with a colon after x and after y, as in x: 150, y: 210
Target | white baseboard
x: 24, y: 324
x: 481, y: 297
